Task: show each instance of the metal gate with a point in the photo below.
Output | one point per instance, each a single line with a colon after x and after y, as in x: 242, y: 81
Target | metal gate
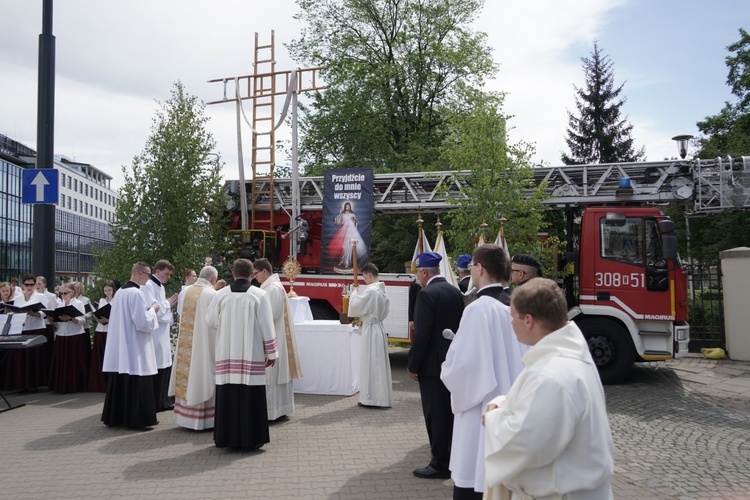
x: 706, y: 297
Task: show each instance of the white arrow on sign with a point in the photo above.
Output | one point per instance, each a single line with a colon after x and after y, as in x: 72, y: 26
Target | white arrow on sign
x: 39, y: 182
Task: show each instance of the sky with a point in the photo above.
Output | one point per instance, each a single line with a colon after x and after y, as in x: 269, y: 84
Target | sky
x: 116, y: 60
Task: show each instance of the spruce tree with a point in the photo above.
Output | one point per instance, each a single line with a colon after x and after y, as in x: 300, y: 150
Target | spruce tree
x: 597, y: 133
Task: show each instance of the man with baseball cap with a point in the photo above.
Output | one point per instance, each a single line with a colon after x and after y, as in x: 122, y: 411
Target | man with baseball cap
x: 439, y: 306
x: 523, y: 268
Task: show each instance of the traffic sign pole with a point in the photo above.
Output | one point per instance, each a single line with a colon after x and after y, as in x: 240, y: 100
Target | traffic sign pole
x: 43, y: 232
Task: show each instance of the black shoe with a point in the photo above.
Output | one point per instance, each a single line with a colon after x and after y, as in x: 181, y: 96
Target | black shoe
x: 430, y: 472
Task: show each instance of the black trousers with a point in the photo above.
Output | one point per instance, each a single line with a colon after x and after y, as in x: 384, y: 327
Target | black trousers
x: 438, y: 417
x: 466, y: 494
x: 161, y: 388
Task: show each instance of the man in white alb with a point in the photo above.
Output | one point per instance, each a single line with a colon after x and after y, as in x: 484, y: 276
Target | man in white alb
x: 129, y: 359
x: 370, y: 303
x: 279, y: 377
x: 482, y: 362
x: 549, y: 437
x: 193, y: 377
x: 155, y: 293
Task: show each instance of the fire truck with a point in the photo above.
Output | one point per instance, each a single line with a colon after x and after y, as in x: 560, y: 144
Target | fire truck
x: 631, y: 298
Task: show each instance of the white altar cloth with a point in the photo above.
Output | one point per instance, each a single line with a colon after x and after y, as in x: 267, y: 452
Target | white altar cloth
x: 329, y: 354
x: 300, y: 309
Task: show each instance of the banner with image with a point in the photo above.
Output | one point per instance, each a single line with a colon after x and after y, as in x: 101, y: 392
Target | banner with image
x: 347, y: 217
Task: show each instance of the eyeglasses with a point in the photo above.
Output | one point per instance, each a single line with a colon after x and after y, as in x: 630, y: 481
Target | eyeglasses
x: 29, y: 284
x: 473, y: 264
x: 517, y: 271
x: 65, y: 293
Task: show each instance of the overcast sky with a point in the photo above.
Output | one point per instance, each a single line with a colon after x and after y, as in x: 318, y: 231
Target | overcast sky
x: 115, y: 59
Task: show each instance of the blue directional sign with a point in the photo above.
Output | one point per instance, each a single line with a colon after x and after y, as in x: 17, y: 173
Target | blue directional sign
x: 40, y: 185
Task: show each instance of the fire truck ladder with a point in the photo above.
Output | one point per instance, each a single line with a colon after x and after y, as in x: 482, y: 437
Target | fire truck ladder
x: 712, y: 185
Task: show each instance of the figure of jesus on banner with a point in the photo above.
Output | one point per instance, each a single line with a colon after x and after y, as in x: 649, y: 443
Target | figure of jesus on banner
x: 341, y: 243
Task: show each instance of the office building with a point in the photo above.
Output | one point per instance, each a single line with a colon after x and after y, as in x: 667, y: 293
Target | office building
x: 86, y: 207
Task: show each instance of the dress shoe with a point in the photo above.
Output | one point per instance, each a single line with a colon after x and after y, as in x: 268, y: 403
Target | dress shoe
x: 430, y: 472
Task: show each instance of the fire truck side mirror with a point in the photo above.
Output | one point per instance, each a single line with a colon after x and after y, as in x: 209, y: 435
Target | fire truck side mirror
x: 669, y: 247
x: 666, y: 226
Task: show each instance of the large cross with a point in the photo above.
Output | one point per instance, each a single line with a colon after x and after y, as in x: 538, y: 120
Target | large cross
x: 260, y: 88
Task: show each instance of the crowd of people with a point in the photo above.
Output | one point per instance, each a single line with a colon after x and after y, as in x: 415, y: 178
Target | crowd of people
x: 512, y: 401
x: 66, y: 362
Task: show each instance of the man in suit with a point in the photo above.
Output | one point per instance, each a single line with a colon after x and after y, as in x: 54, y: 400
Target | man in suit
x: 439, y: 306
x: 464, y: 275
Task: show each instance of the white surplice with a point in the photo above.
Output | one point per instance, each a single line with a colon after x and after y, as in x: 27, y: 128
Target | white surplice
x: 550, y: 438
x: 196, y: 409
x: 482, y: 362
x: 279, y: 385
x: 370, y: 303
x: 245, y: 336
x: 155, y: 293
x: 130, y: 345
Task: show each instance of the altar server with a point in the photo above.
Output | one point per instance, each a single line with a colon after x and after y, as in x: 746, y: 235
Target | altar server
x: 129, y: 359
x: 155, y: 293
x: 370, y: 303
x: 279, y: 377
x: 245, y: 346
x: 482, y: 362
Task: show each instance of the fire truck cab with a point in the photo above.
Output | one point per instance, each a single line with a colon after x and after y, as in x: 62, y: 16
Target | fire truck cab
x: 632, y: 292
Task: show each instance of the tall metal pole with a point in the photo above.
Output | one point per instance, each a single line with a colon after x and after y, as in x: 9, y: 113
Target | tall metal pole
x: 293, y: 245
x: 43, y: 227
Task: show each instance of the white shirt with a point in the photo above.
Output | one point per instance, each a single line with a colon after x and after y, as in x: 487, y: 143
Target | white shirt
x: 70, y: 328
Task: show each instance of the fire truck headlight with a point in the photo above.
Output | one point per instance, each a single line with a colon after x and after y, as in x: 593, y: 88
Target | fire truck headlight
x: 681, y: 334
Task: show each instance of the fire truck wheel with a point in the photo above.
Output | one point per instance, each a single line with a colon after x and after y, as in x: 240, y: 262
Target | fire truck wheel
x: 611, y: 348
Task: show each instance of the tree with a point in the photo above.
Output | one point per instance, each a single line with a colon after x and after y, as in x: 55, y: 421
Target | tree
x: 725, y: 134
x: 172, y: 201
x: 597, y: 134
x: 393, y: 68
x: 728, y: 132
x: 500, y: 181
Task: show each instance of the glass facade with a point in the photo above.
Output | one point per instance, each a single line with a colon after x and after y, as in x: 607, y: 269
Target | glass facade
x: 15, y: 224
x: 78, y: 239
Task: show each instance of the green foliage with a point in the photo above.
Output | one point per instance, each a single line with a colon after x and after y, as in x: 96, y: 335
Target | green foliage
x: 393, y: 68
x: 173, y: 195
x: 705, y: 312
x: 724, y: 134
x: 597, y: 134
x: 500, y: 183
x: 728, y: 133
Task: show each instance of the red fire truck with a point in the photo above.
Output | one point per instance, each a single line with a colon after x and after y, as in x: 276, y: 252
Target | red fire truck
x: 631, y: 298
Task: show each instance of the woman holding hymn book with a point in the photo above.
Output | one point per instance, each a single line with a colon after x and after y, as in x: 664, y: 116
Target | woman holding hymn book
x: 69, y: 370
x: 97, y: 381
x: 27, y: 369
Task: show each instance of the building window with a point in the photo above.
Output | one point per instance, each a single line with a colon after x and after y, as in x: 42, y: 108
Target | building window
x: 62, y: 199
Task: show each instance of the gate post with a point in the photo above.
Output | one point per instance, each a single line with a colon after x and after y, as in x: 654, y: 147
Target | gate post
x: 735, y: 265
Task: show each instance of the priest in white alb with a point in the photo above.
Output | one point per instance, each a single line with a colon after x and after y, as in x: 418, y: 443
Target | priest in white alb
x: 129, y: 359
x: 370, y: 303
x: 279, y: 377
x: 482, y: 362
x: 193, y: 377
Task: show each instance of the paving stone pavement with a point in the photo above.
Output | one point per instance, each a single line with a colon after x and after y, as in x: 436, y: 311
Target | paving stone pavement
x: 680, y: 431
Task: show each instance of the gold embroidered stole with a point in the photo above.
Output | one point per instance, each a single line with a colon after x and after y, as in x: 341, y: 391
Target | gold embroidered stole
x: 294, y: 372
x: 185, y: 340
